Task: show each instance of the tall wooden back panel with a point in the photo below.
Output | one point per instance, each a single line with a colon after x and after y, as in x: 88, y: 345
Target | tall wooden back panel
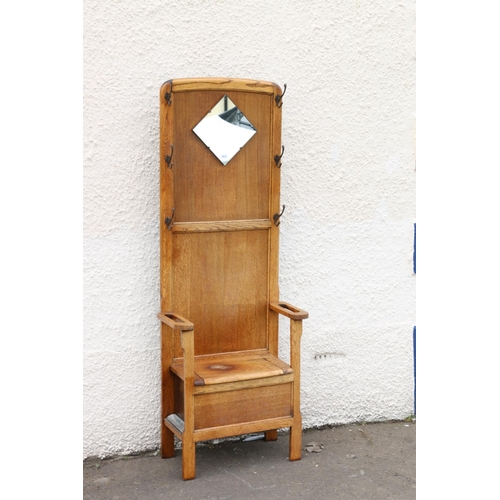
x: 220, y: 254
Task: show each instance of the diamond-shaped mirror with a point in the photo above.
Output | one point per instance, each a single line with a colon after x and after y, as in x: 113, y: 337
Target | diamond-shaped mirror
x: 225, y: 130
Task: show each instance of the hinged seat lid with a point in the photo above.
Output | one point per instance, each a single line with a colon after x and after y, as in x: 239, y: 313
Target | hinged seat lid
x: 223, y: 368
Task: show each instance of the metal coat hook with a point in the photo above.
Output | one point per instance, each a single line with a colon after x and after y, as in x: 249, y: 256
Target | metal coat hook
x: 277, y: 158
x: 168, y: 159
x: 168, y: 220
x: 168, y: 96
x: 277, y: 216
x: 278, y: 98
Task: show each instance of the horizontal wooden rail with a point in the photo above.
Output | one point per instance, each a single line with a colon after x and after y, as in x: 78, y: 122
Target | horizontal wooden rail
x: 244, y: 384
x: 221, y: 225
x: 227, y: 84
x: 245, y: 428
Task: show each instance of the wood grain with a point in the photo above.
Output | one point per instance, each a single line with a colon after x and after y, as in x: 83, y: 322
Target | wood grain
x: 214, y: 226
x: 244, y: 428
x: 246, y: 405
x: 167, y: 340
x: 188, y: 443
x: 220, y: 284
x: 167, y: 390
x: 274, y: 207
x: 237, y: 386
x: 296, y: 428
x: 222, y: 369
x: 226, y: 84
x: 204, y: 188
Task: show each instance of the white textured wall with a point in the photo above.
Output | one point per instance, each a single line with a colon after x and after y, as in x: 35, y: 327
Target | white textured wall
x: 348, y: 183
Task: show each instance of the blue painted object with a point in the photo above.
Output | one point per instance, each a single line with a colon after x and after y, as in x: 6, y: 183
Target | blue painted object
x: 415, y: 370
x: 415, y: 248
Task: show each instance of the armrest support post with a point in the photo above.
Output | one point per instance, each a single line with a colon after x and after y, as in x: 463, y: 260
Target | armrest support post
x: 295, y: 336
x: 296, y: 315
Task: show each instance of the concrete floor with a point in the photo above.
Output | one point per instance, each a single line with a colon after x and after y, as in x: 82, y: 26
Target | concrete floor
x: 366, y: 461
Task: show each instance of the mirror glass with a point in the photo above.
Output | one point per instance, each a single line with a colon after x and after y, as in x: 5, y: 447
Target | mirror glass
x: 225, y: 130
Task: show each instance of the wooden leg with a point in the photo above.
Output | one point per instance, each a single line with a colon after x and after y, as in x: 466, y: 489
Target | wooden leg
x: 296, y: 439
x: 188, y: 444
x: 271, y: 435
x: 167, y: 392
x: 296, y: 428
x: 167, y: 442
x: 188, y: 459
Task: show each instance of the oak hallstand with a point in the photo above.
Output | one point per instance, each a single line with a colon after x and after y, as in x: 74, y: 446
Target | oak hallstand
x: 220, y: 166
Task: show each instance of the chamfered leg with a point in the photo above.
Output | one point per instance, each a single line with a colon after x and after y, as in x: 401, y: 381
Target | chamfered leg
x: 188, y: 459
x: 295, y: 452
x: 271, y: 435
x: 167, y: 442
x: 296, y: 428
x: 167, y: 392
x: 188, y: 444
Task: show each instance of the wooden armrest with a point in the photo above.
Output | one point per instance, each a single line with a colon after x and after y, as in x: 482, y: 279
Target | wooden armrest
x: 175, y: 321
x: 288, y: 310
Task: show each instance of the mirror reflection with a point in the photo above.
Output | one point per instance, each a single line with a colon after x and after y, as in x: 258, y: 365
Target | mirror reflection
x: 225, y: 130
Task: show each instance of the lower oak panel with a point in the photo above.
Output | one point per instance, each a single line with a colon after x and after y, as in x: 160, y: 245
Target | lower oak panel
x: 246, y: 405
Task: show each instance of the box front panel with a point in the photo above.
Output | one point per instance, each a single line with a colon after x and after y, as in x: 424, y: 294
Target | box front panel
x: 246, y: 405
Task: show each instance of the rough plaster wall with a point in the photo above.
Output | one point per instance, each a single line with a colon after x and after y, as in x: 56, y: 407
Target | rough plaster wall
x: 348, y: 183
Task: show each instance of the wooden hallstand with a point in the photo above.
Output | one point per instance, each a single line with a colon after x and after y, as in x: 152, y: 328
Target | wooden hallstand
x: 220, y: 216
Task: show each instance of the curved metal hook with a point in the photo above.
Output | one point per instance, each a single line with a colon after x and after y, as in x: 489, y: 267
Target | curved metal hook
x: 168, y: 95
x: 168, y: 220
x: 277, y: 216
x: 168, y: 159
x: 277, y: 158
x: 278, y: 98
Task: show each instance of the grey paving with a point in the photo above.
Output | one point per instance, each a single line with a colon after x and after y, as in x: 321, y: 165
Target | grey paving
x: 371, y: 461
